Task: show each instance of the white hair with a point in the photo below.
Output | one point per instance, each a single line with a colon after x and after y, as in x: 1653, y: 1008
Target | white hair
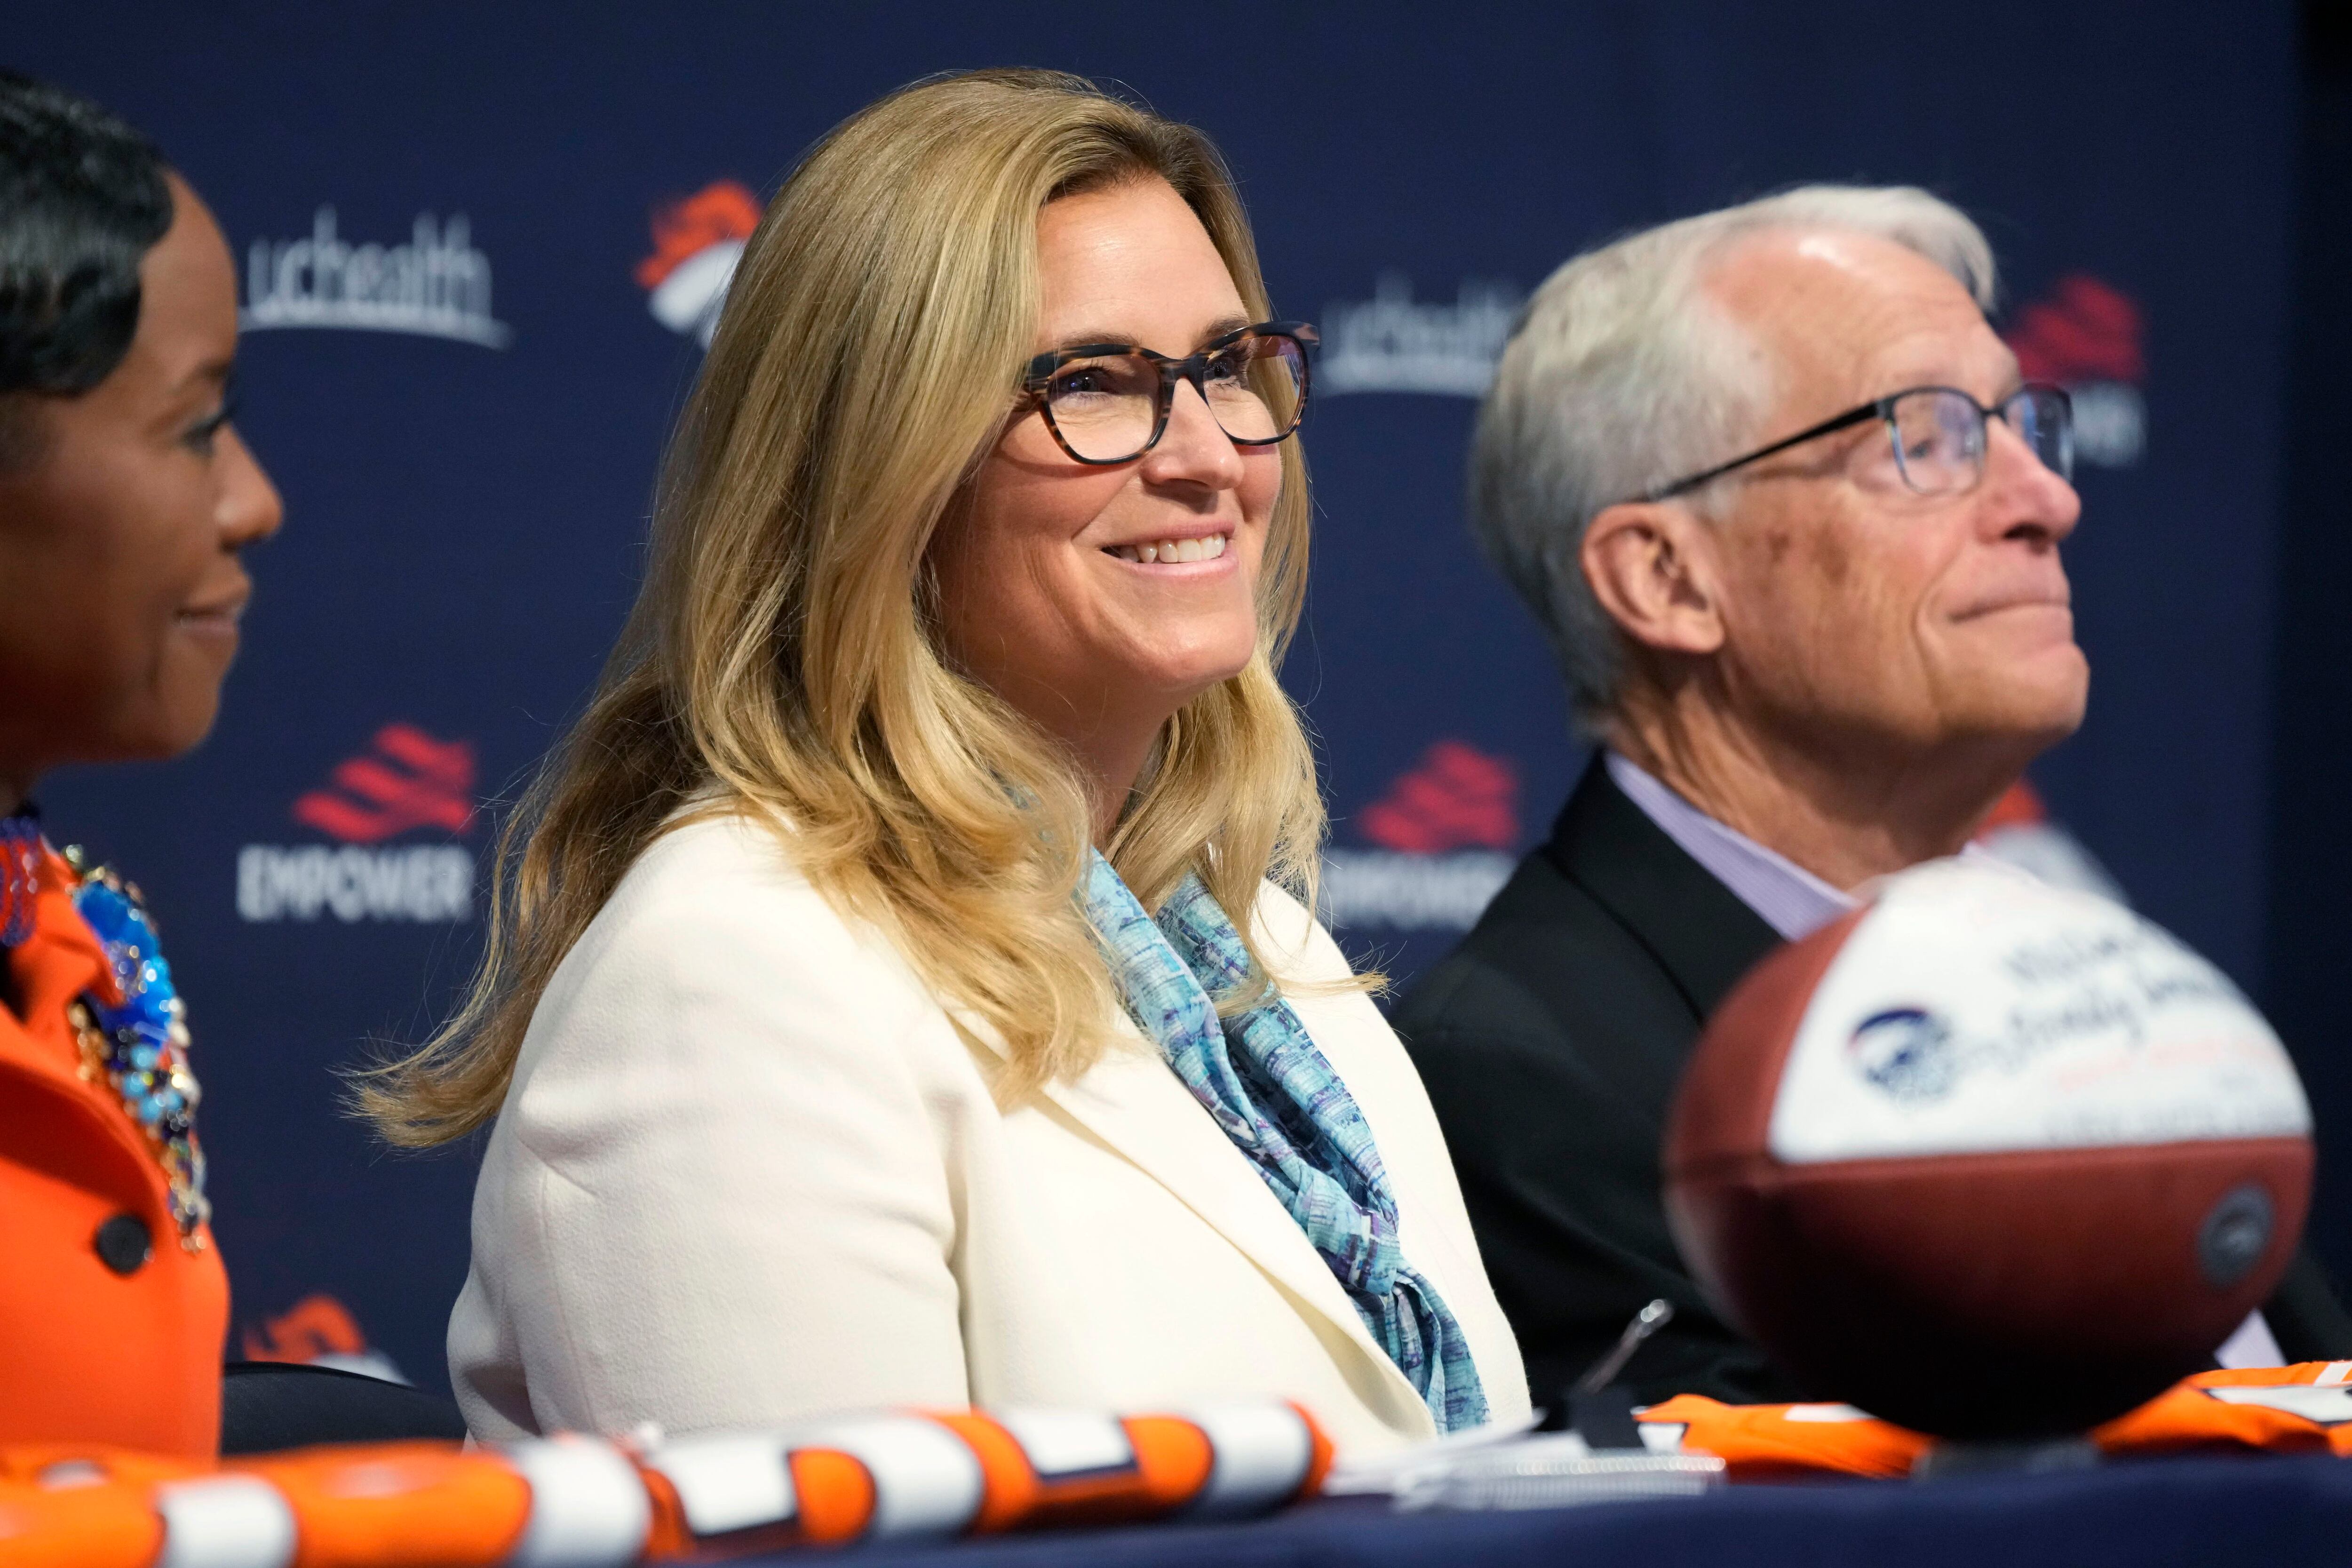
x: 1622, y: 375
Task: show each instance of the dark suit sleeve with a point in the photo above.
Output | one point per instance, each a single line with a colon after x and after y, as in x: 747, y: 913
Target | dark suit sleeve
x: 1558, y: 1155
x: 2305, y: 1316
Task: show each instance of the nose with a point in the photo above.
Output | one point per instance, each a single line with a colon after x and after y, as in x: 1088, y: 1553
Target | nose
x: 1193, y: 449
x: 2024, y: 497
x: 248, y: 509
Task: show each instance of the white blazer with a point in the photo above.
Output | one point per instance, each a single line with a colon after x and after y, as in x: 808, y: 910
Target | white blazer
x: 749, y: 1171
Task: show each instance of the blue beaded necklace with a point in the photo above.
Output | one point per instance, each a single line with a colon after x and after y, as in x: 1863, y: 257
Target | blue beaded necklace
x: 20, y: 875
x: 140, y: 1046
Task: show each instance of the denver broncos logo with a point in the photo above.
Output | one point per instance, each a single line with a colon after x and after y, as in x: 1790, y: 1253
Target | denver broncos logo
x: 698, y: 240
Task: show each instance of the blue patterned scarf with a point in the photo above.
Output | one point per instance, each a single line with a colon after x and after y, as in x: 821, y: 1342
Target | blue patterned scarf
x: 1273, y: 1094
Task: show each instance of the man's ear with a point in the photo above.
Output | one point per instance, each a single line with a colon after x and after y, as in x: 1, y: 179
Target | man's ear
x: 1652, y: 564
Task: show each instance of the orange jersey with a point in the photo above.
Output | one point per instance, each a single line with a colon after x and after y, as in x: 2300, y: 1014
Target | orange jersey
x: 2305, y: 1408
x: 101, y: 1344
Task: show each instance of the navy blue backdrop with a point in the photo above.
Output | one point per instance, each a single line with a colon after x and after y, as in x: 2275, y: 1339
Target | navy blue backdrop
x: 472, y: 242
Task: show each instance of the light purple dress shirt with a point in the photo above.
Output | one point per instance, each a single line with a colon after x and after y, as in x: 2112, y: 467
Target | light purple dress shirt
x: 1792, y: 900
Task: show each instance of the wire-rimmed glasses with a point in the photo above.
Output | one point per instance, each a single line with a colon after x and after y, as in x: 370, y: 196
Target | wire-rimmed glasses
x: 1108, y: 402
x: 1939, y: 435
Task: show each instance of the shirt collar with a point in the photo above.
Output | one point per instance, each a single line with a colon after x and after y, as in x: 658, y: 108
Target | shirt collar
x: 1784, y: 895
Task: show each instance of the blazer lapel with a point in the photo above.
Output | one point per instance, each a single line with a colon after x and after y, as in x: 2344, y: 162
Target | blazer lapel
x: 1133, y: 1103
x: 1702, y: 935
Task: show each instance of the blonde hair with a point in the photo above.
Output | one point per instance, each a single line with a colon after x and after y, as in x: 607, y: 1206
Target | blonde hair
x: 781, y: 660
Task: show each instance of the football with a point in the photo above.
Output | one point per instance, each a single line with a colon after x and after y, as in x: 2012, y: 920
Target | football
x: 1991, y: 1160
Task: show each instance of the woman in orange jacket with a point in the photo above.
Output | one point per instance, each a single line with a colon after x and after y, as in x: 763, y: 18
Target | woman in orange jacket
x: 125, y: 501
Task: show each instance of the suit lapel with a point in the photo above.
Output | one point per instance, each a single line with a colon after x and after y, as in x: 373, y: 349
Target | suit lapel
x: 1702, y: 935
x: 1135, y: 1105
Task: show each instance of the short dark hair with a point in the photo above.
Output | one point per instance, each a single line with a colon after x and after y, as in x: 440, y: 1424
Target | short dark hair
x: 82, y: 200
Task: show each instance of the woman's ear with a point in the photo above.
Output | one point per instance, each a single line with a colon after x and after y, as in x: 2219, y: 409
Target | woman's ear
x: 1652, y: 566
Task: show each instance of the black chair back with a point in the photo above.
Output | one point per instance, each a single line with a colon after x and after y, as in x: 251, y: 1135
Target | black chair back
x: 266, y: 1406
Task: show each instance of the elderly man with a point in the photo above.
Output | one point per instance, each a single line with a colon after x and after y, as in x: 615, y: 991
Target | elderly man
x: 1792, y: 521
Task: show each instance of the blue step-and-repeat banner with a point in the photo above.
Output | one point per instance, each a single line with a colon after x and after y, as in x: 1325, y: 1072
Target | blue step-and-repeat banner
x: 476, y: 245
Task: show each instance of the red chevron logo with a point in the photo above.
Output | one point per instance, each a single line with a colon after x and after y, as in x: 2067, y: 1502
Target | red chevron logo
x: 1457, y: 797
x: 2084, y: 331
x: 406, y: 780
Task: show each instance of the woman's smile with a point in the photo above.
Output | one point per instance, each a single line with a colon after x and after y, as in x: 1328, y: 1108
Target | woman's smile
x: 1206, y: 551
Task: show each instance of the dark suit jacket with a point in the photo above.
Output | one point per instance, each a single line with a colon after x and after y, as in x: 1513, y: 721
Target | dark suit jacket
x: 1551, y: 1041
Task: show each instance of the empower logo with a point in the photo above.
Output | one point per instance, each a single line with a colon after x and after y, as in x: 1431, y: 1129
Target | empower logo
x: 698, y: 240
x: 407, y: 780
x: 436, y: 286
x: 2085, y: 335
x: 1445, y: 830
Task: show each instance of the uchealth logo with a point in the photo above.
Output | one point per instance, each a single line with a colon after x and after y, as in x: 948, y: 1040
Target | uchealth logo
x: 698, y: 240
x: 407, y: 781
x: 1445, y: 832
x: 1393, y: 343
x: 436, y: 285
x: 2085, y: 335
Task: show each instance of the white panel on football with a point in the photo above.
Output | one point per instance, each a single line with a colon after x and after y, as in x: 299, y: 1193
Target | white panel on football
x: 1973, y: 1010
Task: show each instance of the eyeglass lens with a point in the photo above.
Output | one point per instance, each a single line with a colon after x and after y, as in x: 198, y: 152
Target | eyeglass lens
x: 2045, y: 419
x: 1939, y: 435
x: 1107, y: 408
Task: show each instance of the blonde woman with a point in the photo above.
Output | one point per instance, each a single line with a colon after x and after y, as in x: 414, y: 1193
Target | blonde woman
x: 835, y: 1059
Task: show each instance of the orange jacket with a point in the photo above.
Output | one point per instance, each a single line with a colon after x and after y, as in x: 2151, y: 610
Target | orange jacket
x: 89, y: 1352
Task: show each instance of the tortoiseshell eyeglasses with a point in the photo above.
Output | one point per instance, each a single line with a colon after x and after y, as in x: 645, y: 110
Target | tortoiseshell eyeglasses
x: 1108, y: 402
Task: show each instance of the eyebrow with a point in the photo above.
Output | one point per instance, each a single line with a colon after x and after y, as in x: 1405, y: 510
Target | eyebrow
x: 1215, y: 330
x: 219, y: 371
